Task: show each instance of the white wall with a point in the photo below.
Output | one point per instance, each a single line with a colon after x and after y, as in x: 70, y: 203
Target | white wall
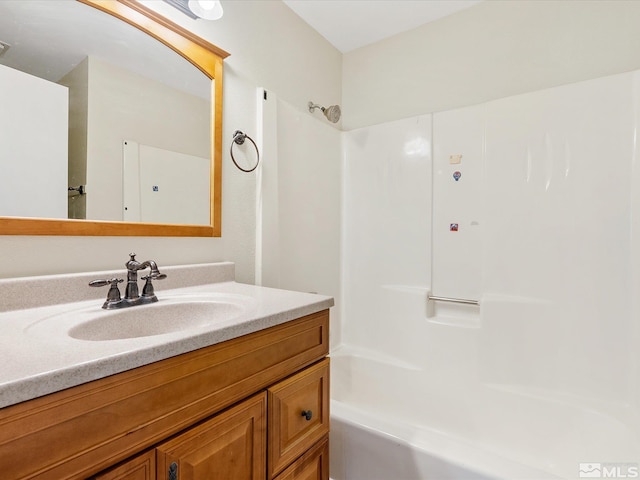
x: 33, y: 126
x: 491, y: 50
x: 270, y: 46
x: 300, y: 212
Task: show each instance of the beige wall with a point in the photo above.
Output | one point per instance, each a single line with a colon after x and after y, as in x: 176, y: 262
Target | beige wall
x: 163, y: 117
x: 78, y: 82
x: 492, y: 50
x: 106, y: 107
x: 270, y: 47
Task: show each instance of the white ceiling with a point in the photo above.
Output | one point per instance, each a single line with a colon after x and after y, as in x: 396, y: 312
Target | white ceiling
x: 351, y: 24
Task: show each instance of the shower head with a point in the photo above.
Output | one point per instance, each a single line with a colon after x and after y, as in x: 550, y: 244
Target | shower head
x: 332, y: 113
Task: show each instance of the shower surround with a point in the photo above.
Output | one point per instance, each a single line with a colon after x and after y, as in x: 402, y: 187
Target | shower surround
x: 541, y: 227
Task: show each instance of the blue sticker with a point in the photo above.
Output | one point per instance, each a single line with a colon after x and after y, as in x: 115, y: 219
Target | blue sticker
x: 155, y: 188
x: 456, y: 176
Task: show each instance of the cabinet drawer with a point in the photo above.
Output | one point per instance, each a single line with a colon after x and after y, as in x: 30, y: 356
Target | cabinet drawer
x: 298, y: 415
x: 313, y: 465
x: 142, y: 467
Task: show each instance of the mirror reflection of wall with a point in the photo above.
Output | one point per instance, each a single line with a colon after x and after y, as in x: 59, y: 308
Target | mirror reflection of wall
x: 163, y: 186
x: 110, y: 104
x: 122, y: 84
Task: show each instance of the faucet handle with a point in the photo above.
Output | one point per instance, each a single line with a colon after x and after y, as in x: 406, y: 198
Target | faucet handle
x: 114, y: 292
x: 147, y: 290
x: 104, y: 283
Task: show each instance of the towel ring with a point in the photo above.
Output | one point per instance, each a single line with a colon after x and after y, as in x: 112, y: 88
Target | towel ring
x: 238, y: 139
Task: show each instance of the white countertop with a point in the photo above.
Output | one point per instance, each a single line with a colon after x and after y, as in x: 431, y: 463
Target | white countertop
x: 37, y: 361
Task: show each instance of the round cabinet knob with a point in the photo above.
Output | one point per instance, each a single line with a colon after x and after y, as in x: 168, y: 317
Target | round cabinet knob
x: 307, y: 414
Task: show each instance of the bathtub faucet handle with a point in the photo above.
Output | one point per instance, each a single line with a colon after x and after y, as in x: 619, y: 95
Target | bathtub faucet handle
x: 307, y: 414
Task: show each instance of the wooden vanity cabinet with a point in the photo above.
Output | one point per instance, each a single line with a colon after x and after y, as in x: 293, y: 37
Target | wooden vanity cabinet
x: 229, y: 445
x: 252, y: 408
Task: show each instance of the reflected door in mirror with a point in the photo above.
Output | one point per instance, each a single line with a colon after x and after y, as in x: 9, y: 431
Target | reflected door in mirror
x: 33, y: 143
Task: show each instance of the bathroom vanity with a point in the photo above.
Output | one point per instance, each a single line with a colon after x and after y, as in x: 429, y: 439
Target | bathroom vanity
x: 244, y: 398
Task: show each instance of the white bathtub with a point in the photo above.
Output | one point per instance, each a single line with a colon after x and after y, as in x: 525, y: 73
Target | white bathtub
x: 366, y: 447
x: 392, y: 421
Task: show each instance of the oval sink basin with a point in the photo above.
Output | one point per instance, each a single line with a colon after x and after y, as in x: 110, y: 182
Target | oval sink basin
x: 136, y: 322
x: 169, y: 315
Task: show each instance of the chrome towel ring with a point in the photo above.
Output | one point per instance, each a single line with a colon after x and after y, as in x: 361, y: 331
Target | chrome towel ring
x: 238, y: 139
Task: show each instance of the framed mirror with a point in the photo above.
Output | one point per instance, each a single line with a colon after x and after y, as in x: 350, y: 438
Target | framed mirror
x: 92, y: 205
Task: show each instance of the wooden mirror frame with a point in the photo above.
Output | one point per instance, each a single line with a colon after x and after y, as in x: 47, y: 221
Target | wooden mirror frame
x: 206, y: 57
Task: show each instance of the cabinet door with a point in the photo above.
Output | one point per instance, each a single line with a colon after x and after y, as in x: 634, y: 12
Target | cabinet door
x: 231, y: 445
x: 142, y: 467
x: 298, y: 415
x: 313, y: 465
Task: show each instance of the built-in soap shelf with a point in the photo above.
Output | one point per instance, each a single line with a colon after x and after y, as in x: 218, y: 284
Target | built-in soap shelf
x: 453, y: 311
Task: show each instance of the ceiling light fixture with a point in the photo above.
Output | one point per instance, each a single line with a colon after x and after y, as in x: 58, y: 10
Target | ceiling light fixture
x: 206, y: 9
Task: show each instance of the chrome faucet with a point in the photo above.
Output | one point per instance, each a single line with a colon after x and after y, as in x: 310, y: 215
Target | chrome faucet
x: 131, y: 295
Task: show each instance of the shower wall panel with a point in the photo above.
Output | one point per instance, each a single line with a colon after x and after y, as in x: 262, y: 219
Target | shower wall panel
x: 556, y: 255
x: 547, y: 179
x: 458, y: 189
x: 386, y: 235
x: 546, y: 207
